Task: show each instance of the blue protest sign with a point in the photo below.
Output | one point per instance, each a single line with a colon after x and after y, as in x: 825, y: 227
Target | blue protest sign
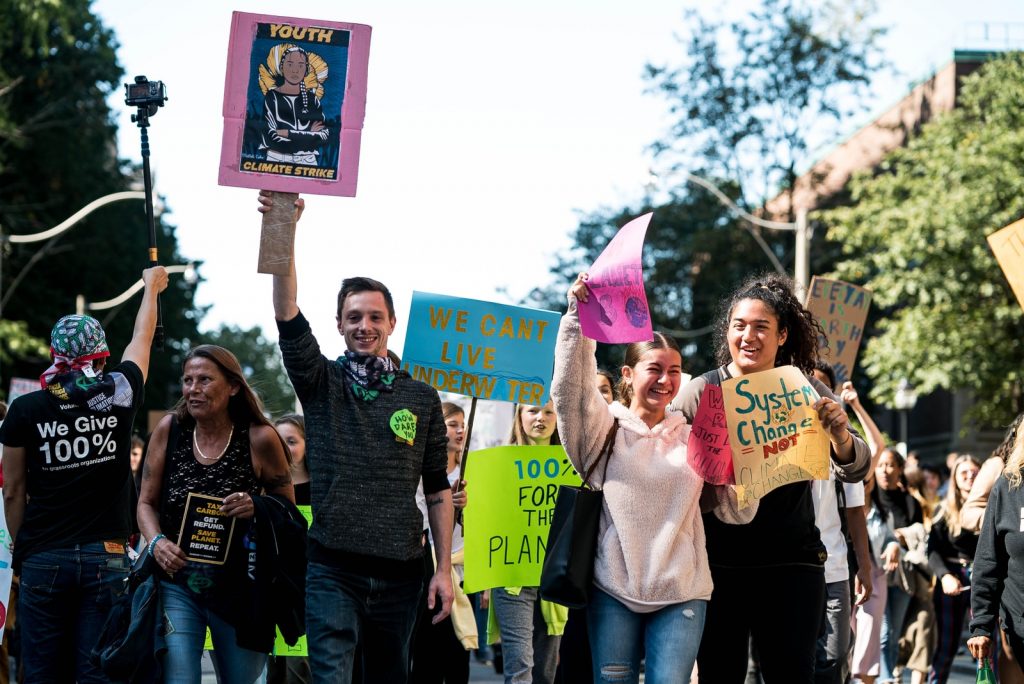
x: 481, y: 349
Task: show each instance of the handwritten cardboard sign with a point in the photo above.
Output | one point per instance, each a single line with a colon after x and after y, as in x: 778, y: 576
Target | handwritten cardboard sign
x: 205, y: 534
x: 842, y: 310
x: 294, y: 101
x: 509, y: 514
x: 707, y: 448
x: 481, y: 349
x: 1008, y: 246
x: 616, y: 311
x: 774, y: 431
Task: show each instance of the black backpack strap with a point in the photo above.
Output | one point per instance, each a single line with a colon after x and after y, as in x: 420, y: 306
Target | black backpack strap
x: 604, y: 454
x: 712, y: 377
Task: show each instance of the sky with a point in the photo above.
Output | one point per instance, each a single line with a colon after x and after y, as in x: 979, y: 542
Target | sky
x: 490, y: 127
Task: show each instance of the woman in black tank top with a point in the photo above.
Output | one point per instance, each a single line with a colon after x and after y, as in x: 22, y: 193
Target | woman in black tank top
x: 206, y: 461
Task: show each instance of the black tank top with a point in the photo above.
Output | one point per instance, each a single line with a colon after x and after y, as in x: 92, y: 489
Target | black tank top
x: 233, y: 472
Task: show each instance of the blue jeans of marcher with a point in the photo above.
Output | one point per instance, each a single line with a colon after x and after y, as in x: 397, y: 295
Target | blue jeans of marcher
x: 892, y: 627
x: 620, y: 637
x: 345, y: 609
x: 529, y: 653
x: 64, y: 600
x: 186, y: 620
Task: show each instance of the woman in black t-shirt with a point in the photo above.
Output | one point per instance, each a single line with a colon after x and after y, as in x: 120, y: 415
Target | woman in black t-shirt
x: 900, y: 509
x: 769, y: 575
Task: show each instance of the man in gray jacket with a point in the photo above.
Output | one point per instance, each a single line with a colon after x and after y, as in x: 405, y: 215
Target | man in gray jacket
x: 371, y: 433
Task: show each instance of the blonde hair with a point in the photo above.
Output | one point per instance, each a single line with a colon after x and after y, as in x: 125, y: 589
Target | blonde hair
x: 518, y: 436
x: 954, y: 500
x: 1015, y: 461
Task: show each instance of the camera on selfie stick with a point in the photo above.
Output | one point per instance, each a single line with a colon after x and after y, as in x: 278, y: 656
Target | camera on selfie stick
x: 148, y: 96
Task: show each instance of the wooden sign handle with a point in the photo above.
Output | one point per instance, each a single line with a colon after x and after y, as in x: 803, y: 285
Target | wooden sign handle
x: 277, y: 235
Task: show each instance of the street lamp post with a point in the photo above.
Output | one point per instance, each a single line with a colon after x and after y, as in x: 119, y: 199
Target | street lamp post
x: 188, y: 272
x: 802, y: 253
x: 904, y: 400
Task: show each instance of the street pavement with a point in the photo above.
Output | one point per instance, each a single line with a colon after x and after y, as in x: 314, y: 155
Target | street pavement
x: 963, y: 671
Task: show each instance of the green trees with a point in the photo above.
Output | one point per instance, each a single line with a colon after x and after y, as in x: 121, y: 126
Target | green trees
x: 748, y: 103
x: 261, y: 361
x: 915, y: 235
x: 57, y: 153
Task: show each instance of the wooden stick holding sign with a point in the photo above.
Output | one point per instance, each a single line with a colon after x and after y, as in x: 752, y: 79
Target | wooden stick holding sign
x: 277, y: 235
x: 464, y: 459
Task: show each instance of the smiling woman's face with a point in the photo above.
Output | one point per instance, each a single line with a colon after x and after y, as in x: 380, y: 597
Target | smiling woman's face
x: 754, y: 336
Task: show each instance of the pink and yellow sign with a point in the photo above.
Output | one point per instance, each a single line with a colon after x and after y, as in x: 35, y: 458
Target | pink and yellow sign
x: 616, y: 311
x: 774, y: 431
x: 294, y: 101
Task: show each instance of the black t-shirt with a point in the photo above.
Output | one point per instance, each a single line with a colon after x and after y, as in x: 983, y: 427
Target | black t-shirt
x: 77, y: 460
x: 904, y: 509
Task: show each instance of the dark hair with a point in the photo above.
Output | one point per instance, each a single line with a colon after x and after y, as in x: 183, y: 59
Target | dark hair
x: 518, y: 438
x: 611, y: 382
x: 803, y: 331
x: 1006, y: 446
x: 138, y: 442
x: 244, y: 408
x: 635, y: 351
x: 361, y: 284
x: 826, y: 368
x: 279, y: 77
x: 876, y: 496
x: 295, y: 420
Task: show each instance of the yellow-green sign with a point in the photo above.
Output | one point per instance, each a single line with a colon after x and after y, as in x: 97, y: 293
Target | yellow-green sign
x: 511, y: 499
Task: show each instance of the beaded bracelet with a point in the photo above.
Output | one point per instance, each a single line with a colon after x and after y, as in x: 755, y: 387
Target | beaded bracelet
x: 153, y: 541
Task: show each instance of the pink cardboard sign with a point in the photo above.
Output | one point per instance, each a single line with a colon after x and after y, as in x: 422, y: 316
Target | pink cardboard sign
x: 294, y: 102
x: 707, y: 449
x: 616, y: 310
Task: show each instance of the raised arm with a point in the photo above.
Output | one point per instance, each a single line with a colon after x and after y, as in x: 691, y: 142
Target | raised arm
x: 155, y: 280
x: 583, y: 416
x: 873, y: 436
x: 285, y: 286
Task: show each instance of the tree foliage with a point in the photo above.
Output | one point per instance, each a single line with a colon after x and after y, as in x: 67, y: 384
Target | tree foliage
x: 261, y: 361
x: 58, y: 152
x: 915, y: 235
x: 752, y: 98
x: 748, y: 101
x: 694, y: 254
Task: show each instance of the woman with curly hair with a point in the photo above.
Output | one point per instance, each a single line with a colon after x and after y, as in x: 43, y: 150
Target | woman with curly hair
x: 763, y: 325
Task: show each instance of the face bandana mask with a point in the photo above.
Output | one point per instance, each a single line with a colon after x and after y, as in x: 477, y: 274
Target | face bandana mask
x: 368, y: 375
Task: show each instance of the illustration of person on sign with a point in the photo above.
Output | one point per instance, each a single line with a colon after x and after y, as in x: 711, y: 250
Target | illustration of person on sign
x: 293, y: 119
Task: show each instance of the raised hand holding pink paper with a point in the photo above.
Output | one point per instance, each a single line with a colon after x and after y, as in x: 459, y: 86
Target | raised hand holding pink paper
x: 616, y: 310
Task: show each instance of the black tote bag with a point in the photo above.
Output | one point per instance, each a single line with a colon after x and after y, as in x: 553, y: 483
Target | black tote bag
x: 568, y: 570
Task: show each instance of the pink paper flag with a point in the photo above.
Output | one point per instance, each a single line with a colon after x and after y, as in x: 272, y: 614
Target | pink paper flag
x: 616, y: 310
x: 707, y: 449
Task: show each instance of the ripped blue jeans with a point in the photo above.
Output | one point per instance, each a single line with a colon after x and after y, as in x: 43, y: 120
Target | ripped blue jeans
x: 619, y: 639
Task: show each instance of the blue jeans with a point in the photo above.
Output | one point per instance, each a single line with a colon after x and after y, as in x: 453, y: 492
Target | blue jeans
x: 345, y: 609
x: 64, y: 600
x: 529, y: 653
x: 186, y: 620
x: 619, y: 638
x: 892, y: 629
